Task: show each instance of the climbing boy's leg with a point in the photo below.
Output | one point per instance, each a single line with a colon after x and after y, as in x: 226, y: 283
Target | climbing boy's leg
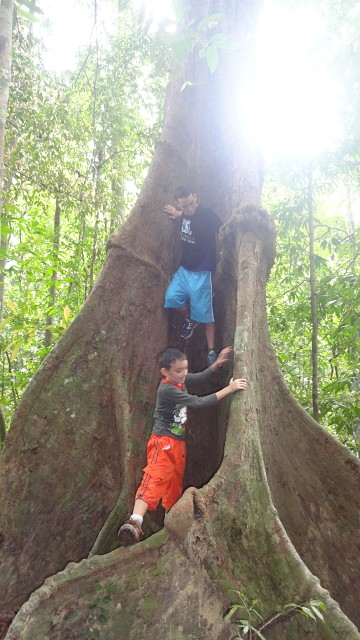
x: 131, y: 530
x: 210, y: 338
x: 176, y: 294
x: 176, y: 297
x: 175, y: 486
x: 210, y: 334
x: 163, y: 453
x: 201, y: 306
x: 188, y: 328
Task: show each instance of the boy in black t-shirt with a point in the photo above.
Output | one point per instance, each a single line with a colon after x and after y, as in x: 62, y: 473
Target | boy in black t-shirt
x: 166, y: 449
x: 193, y: 280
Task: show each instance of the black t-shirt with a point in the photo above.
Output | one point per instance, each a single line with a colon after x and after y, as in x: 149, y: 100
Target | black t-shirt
x: 198, y: 236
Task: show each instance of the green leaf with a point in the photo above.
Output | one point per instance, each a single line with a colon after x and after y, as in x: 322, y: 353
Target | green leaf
x: 212, y: 57
x: 15, y: 351
x: 5, y: 229
x: 28, y: 15
x: 187, y: 83
x: 111, y: 588
x: 318, y: 603
x: 4, y: 322
x: 307, y: 612
x: 30, y: 5
x: 9, y: 345
x: 232, y: 610
x: 317, y: 613
x: 11, y: 305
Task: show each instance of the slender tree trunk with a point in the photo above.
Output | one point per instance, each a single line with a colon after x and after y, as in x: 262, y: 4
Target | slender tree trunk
x: 350, y: 215
x: 313, y: 301
x: 6, y: 24
x: 97, y: 173
x: 55, y: 258
x: 2, y: 428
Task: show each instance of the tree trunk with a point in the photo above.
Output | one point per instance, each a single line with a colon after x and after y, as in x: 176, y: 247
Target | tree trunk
x: 55, y: 258
x: 272, y: 508
x: 6, y: 24
x: 313, y: 300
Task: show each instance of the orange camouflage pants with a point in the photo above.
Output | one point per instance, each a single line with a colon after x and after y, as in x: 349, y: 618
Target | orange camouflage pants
x: 164, y: 472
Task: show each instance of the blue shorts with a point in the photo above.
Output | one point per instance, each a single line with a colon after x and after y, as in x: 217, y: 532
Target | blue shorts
x: 195, y: 286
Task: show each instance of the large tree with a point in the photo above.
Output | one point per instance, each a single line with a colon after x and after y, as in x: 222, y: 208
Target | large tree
x: 272, y: 505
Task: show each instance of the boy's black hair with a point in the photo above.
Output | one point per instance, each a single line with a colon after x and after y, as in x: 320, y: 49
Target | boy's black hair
x: 184, y: 191
x: 168, y: 356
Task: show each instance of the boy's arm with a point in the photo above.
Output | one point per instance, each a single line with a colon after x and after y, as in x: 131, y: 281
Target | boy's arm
x: 189, y: 400
x: 199, y: 402
x: 206, y: 375
x: 192, y: 379
x: 234, y: 385
x: 172, y: 212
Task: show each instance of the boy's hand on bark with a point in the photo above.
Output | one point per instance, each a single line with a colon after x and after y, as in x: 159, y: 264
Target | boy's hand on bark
x: 237, y: 385
x: 172, y: 212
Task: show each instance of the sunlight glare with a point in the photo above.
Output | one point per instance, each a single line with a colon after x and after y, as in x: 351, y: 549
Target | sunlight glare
x: 296, y: 99
x: 156, y: 11
x: 71, y: 28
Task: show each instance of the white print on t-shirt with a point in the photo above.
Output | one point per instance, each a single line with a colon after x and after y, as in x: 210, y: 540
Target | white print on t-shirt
x: 180, y: 414
x: 186, y: 232
x: 186, y: 227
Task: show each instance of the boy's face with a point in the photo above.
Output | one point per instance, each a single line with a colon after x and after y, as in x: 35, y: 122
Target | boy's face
x: 177, y: 372
x: 188, y: 205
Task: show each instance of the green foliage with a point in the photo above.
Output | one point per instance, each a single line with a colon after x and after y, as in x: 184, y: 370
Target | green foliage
x: 99, y: 613
x: 28, y: 10
x: 78, y: 147
x: 312, y: 609
x: 200, y: 36
x: 251, y: 623
x: 337, y: 246
x: 249, y: 616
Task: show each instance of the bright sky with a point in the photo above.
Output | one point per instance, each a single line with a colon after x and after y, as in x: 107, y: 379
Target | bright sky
x: 71, y: 27
x: 297, y: 100
x: 294, y: 110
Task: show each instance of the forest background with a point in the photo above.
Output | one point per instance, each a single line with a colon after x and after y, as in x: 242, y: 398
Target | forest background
x: 78, y: 145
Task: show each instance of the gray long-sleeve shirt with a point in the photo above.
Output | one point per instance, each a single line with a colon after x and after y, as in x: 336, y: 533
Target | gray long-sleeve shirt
x: 170, y: 412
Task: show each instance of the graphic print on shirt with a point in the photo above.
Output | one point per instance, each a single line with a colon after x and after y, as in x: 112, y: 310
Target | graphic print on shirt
x: 186, y: 233
x: 179, y: 420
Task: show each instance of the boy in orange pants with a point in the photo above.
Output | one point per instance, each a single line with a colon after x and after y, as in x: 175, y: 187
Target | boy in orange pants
x: 166, y: 450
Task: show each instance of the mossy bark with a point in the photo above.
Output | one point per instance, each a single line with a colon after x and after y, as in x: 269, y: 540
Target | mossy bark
x: 273, y: 504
